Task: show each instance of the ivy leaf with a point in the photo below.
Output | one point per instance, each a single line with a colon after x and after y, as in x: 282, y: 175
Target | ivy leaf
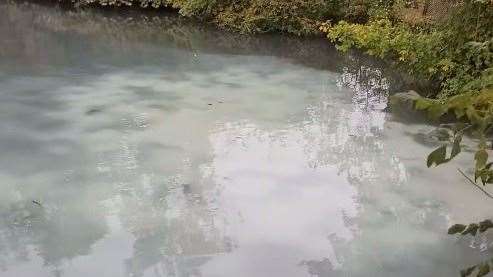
x: 437, y: 157
x: 456, y: 228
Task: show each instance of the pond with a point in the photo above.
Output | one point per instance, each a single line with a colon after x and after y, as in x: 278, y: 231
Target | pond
x: 146, y: 145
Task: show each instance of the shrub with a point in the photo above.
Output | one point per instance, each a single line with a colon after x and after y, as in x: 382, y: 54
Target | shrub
x: 301, y: 17
x: 458, y: 54
x: 292, y: 16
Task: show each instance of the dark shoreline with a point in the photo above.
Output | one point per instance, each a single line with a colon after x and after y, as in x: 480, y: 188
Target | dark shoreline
x: 311, y: 51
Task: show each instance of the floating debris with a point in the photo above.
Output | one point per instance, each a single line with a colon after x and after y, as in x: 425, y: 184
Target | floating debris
x: 94, y: 110
x: 37, y: 203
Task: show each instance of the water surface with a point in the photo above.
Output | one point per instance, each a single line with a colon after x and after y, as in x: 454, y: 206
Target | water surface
x: 139, y: 145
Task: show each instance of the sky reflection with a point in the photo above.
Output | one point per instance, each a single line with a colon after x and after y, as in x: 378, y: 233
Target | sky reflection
x: 184, y: 161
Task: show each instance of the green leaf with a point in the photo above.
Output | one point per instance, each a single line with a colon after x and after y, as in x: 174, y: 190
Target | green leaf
x: 456, y: 228
x: 471, y: 229
x: 459, y: 127
x: 485, y: 225
x: 484, y: 269
x: 437, y: 157
x: 466, y: 272
x: 422, y: 104
x: 459, y: 113
x: 456, y: 146
x: 485, y: 174
x: 436, y: 110
x: 481, y: 158
x: 473, y: 115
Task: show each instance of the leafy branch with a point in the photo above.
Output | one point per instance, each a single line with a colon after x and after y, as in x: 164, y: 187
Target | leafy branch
x: 475, y: 184
x: 472, y: 229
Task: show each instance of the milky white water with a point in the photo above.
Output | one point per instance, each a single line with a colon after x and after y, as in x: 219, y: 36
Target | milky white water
x: 154, y: 147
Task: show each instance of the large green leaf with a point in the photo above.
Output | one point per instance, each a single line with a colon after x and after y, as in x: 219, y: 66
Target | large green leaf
x: 438, y: 156
x: 485, y: 225
x: 481, y: 158
x: 456, y: 146
x: 471, y: 229
x: 456, y: 228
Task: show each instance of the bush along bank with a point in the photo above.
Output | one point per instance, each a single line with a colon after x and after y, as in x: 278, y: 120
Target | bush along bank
x: 454, y: 50
x: 447, y: 42
x: 300, y: 17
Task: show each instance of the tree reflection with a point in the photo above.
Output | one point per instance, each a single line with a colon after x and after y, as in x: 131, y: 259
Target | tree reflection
x: 40, y: 37
x: 174, y: 235
x: 354, y: 140
x: 54, y: 231
x: 351, y: 138
x: 190, y: 185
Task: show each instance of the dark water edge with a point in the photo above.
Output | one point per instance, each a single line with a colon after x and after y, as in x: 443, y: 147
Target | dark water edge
x: 104, y: 24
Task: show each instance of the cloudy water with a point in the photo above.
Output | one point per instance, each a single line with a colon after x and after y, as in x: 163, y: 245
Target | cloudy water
x: 139, y: 145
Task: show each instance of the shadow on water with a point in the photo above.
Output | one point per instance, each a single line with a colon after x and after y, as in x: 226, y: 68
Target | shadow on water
x: 38, y: 41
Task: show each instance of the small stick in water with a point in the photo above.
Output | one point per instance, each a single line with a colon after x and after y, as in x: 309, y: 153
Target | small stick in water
x: 37, y: 203
x: 474, y: 183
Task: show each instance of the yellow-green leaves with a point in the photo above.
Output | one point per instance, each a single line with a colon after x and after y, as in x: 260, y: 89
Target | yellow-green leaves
x: 476, y: 108
x: 456, y: 145
x: 423, y: 103
x: 483, y: 268
x: 471, y: 229
x: 481, y: 157
x: 437, y: 157
x: 468, y: 271
x: 456, y: 228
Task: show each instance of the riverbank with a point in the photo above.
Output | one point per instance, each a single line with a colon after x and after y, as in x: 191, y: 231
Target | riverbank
x: 151, y: 145
x: 165, y: 139
x: 131, y: 24
x: 298, y: 17
x: 423, y: 39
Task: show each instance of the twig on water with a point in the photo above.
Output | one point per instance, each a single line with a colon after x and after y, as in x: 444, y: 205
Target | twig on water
x: 37, y: 203
x: 474, y: 183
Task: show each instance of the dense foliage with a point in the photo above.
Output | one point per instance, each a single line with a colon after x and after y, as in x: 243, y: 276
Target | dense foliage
x: 299, y: 17
x: 482, y: 268
x: 456, y: 54
x: 452, y: 50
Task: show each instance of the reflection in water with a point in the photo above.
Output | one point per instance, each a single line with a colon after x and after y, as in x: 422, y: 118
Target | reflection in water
x: 208, y: 154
